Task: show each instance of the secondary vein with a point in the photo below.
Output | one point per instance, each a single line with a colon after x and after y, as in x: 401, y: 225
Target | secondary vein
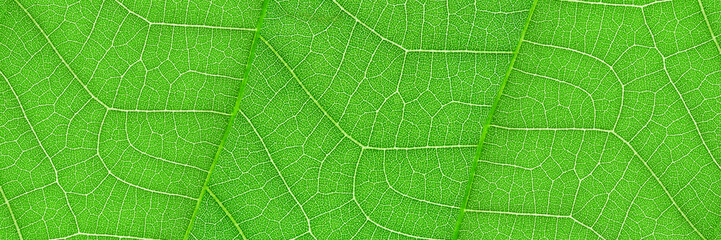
x: 230, y: 216
x: 17, y: 227
x: 708, y: 24
x: 487, y: 123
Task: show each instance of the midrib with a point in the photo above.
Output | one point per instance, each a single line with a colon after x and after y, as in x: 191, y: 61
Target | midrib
x: 487, y: 123
x: 231, y: 119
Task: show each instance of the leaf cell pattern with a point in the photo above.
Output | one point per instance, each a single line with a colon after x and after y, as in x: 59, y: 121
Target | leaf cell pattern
x: 346, y: 119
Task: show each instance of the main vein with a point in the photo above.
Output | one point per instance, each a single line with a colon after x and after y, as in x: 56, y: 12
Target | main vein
x: 487, y: 123
x: 231, y: 119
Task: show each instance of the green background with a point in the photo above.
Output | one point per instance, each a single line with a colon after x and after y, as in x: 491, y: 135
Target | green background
x: 360, y: 119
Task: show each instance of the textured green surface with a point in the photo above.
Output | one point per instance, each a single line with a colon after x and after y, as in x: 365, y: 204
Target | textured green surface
x: 350, y: 119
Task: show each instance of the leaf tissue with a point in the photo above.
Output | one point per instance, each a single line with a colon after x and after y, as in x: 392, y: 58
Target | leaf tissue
x: 360, y: 119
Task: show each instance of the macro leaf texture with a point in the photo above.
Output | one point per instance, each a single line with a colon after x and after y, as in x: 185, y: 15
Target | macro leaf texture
x: 360, y: 119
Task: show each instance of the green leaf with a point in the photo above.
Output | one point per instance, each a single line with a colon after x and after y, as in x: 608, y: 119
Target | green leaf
x: 349, y: 119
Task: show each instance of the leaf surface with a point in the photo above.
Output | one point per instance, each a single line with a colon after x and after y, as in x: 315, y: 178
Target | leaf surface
x: 344, y: 119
